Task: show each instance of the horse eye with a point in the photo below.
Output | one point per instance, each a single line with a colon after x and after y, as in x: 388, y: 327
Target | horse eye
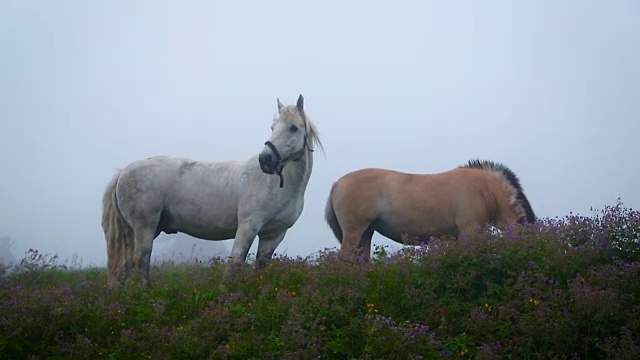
x: 293, y: 128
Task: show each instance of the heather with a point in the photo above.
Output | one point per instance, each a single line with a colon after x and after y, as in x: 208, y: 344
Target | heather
x: 561, y: 288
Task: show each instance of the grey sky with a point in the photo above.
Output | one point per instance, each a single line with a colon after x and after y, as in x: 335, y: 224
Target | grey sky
x: 549, y: 88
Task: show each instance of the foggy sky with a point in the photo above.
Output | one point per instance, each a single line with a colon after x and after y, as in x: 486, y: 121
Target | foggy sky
x: 549, y: 88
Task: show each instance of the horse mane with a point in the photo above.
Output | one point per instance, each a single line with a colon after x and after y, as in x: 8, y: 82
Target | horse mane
x: 511, y: 178
x: 313, y: 135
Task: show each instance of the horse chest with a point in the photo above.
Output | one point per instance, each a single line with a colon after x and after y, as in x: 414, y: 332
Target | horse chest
x: 285, y: 217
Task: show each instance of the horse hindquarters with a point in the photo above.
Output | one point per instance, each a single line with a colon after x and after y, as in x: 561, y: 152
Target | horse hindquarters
x: 349, y: 219
x: 129, y: 238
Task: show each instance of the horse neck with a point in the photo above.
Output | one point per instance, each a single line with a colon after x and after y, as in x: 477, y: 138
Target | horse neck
x: 299, y: 172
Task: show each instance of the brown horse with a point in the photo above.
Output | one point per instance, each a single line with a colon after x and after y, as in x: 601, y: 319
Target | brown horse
x: 410, y: 208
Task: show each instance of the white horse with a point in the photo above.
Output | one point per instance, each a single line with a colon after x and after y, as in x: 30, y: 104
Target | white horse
x: 211, y: 200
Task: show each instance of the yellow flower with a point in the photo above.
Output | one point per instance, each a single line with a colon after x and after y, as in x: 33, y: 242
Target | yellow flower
x: 535, y: 302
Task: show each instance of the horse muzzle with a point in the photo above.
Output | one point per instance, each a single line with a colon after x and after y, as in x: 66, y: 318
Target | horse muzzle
x: 268, y: 162
x: 270, y: 159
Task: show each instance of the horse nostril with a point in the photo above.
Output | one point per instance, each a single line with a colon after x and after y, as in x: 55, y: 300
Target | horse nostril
x: 264, y: 159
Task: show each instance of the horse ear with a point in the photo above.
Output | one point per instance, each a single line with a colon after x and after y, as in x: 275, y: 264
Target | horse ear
x: 300, y: 103
x: 280, y: 106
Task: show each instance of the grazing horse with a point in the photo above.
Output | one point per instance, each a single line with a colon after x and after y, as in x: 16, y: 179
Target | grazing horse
x: 410, y: 208
x: 211, y: 200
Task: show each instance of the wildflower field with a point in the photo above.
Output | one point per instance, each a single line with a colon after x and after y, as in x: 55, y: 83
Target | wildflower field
x: 564, y: 288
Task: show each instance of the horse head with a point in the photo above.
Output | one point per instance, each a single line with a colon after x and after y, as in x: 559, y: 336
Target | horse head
x: 289, y: 139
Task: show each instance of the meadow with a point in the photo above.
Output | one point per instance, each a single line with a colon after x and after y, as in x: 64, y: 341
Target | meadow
x: 563, y: 288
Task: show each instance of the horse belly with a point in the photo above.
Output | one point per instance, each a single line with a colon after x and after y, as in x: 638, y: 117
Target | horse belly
x: 206, y: 225
x: 209, y: 234
x: 411, y: 230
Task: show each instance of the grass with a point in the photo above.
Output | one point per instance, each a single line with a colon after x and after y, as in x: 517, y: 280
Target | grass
x: 562, y: 288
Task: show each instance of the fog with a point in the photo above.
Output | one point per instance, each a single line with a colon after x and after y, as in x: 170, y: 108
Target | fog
x: 551, y: 89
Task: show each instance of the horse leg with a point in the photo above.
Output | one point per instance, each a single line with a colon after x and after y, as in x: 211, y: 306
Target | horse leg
x: 129, y: 248
x: 266, y: 246
x: 143, y: 242
x: 245, y: 234
x: 352, y: 237
x: 365, y: 244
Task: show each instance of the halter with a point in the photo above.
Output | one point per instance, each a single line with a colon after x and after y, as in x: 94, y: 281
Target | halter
x: 292, y: 157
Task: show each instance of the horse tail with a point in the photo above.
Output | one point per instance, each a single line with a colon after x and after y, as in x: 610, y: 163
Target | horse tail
x: 330, y: 216
x: 512, y: 179
x: 118, y: 233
